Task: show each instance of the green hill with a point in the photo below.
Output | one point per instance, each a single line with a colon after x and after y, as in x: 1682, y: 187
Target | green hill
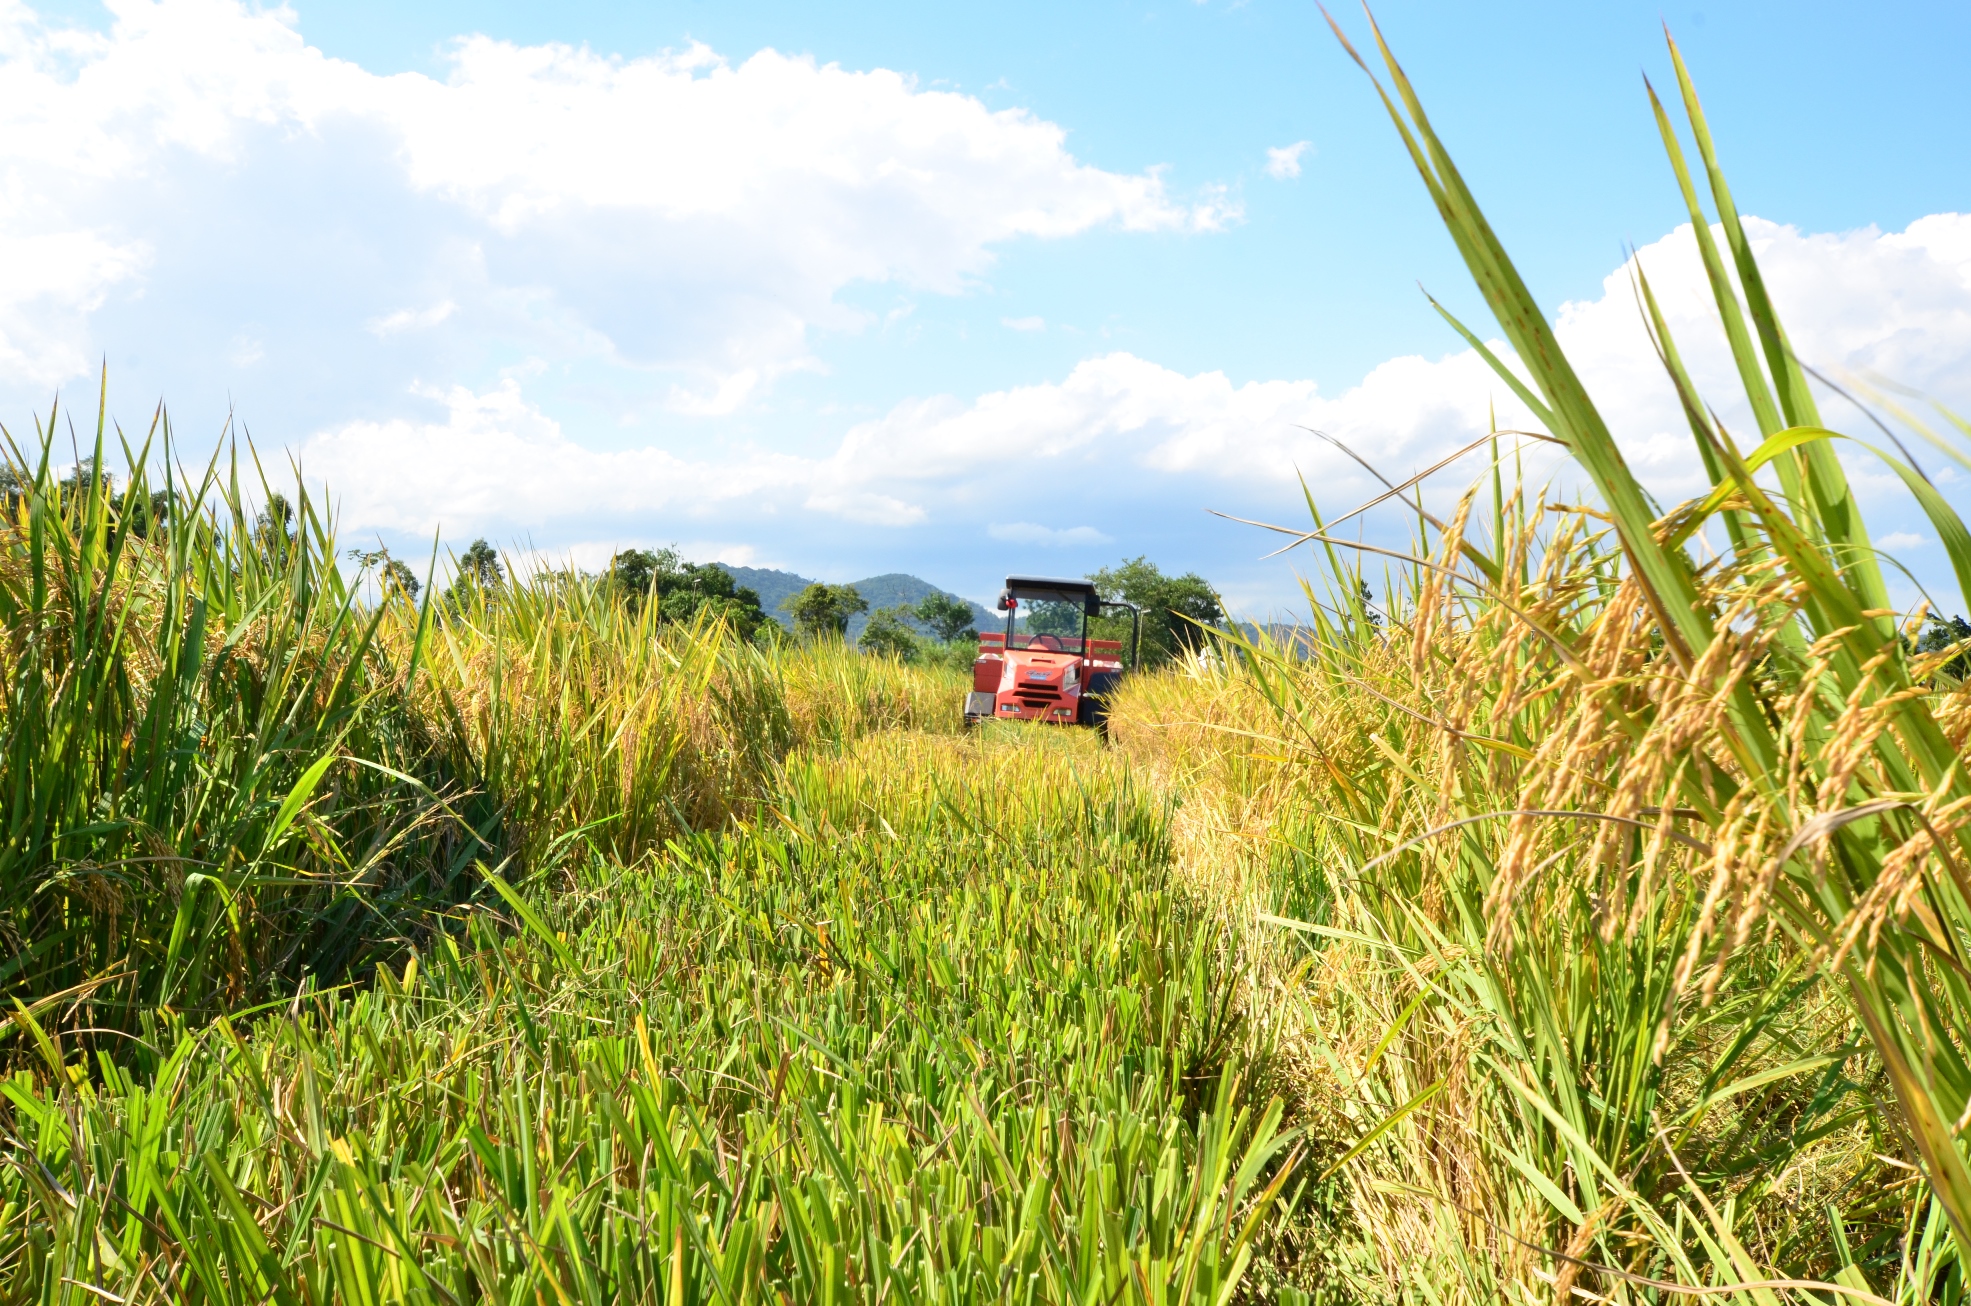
x: 892, y: 588
x: 772, y: 586
x: 883, y: 591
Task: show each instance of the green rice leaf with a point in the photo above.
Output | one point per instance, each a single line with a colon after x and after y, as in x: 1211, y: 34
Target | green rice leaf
x: 297, y: 798
x: 529, y: 917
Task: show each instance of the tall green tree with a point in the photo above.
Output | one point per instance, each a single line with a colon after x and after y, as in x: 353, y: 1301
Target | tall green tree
x: 1176, y: 609
x: 686, y: 591
x: 1948, y: 633
x: 821, y: 611
x: 480, y: 576
x: 949, y: 617
x: 636, y: 573
x: 1367, y: 598
x: 148, y: 515
x: 889, y: 633
x: 480, y: 564
x: 399, y: 579
x: 273, y: 529
x: 392, y: 576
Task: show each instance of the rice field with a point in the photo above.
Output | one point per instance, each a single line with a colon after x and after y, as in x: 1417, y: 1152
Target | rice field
x: 956, y: 1039
x: 1586, y: 921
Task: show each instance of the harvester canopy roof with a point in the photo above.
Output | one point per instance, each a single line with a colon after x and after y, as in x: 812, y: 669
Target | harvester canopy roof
x: 1051, y: 589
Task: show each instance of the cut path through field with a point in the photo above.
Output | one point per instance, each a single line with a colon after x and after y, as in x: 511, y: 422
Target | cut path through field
x: 941, y: 1028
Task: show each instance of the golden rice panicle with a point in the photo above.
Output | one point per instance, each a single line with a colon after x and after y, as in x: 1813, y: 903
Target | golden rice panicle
x: 1578, y: 742
x: 1435, y: 583
x: 1685, y: 711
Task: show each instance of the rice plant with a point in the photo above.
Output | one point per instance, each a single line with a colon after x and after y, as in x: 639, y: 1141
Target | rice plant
x: 925, y: 1042
x: 213, y: 782
x: 593, y: 720
x: 521, y: 947
x: 1630, y: 880
x: 225, y: 771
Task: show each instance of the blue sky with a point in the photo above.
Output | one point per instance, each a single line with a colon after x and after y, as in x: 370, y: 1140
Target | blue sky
x: 953, y: 290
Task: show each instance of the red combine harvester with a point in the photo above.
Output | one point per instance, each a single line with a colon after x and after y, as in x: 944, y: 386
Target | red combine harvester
x: 1043, y: 666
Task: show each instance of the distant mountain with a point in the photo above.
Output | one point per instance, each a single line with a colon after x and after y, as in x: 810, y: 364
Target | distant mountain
x: 884, y: 591
x: 771, y: 586
x: 1295, y: 639
x: 892, y: 588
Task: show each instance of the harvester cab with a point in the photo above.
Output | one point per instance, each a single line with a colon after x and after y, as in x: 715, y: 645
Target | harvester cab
x: 1043, y: 666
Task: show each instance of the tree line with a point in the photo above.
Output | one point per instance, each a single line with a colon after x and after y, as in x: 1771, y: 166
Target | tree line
x: 1177, y: 612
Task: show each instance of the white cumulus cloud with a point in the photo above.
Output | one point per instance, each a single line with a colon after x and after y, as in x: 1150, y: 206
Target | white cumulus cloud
x: 1896, y: 304
x: 677, y: 212
x: 50, y: 282
x: 411, y: 319
x: 1026, y: 532
x: 1123, y: 439
x: 1283, y: 161
x: 495, y: 459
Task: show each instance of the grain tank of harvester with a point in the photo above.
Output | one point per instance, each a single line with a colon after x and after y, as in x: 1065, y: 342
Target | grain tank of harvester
x: 1043, y: 666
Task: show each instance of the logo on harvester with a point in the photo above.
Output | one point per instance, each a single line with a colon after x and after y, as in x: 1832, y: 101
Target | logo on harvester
x: 1036, y: 675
